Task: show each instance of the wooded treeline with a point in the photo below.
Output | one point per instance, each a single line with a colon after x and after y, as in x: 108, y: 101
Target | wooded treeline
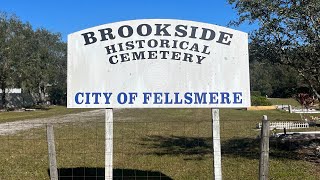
x: 285, y: 48
x: 284, y: 52
x: 34, y: 60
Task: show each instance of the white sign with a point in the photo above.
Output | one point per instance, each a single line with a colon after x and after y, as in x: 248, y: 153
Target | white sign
x: 155, y: 63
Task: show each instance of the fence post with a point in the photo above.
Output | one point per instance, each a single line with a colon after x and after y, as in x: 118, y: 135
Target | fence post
x: 52, y: 153
x: 109, y: 144
x: 216, y: 144
x: 290, y: 109
x: 264, y: 149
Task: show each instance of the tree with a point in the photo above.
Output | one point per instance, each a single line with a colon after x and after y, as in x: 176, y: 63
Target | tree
x: 34, y: 60
x: 288, y: 33
x: 10, y: 29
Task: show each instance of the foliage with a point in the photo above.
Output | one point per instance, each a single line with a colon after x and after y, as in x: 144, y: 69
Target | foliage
x: 288, y: 33
x: 305, y: 100
x: 273, y: 80
x: 260, y: 101
x: 30, y: 59
x: 255, y: 93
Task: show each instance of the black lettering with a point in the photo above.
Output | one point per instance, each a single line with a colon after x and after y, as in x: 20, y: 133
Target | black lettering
x: 181, y: 32
x: 110, y: 49
x: 106, y: 32
x: 223, y: 38
x: 164, y: 43
x: 176, y: 55
x: 181, y: 45
x: 154, y: 44
x: 194, y: 47
x: 124, y: 57
x: 163, y: 30
x: 148, y: 30
x: 129, y: 31
x: 193, y: 32
x: 111, y: 60
x: 152, y: 54
x: 129, y: 45
x: 205, y: 48
x: 120, y: 47
x: 204, y: 34
x: 174, y: 44
x: 89, y: 38
x: 138, y: 56
x: 140, y: 43
x: 200, y: 59
x: 187, y: 57
x: 164, y: 54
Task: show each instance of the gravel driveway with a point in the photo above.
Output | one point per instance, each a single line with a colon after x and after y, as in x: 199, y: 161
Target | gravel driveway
x: 17, y: 126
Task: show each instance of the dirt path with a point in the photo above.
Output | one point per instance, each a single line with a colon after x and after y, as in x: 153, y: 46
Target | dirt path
x: 17, y: 126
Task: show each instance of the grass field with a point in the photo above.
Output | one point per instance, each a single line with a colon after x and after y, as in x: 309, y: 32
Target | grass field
x: 173, y: 143
x: 284, y: 101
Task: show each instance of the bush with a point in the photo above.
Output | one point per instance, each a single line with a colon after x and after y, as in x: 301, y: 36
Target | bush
x: 255, y: 93
x: 260, y: 101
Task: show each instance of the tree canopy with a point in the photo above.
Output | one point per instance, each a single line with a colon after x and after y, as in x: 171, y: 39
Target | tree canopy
x: 34, y: 60
x: 288, y: 33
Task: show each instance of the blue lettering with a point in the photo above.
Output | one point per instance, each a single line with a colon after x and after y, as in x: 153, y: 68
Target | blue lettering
x: 199, y: 99
x: 146, y: 97
x: 123, y: 99
x: 176, y: 99
x: 225, y: 98
x: 213, y: 98
x: 87, y: 98
x: 132, y: 97
x: 107, y: 97
x: 237, y: 98
x: 188, y: 98
x: 166, y: 94
x: 76, y: 98
x: 96, y: 97
x: 157, y: 98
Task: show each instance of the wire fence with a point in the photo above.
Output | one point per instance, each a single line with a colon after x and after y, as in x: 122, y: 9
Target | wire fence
x: 152, y: 144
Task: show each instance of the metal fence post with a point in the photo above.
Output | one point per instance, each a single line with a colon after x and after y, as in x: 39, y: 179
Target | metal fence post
x: 264, y: 149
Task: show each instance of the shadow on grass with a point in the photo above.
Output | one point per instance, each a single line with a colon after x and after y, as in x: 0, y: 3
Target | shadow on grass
x: 250, y: 148
x: 196, y: 148
x: 118, y: 174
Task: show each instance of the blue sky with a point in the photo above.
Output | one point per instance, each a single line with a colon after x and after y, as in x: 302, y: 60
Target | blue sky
x: 67, y: 16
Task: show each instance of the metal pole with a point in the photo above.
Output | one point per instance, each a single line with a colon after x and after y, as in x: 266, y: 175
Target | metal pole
x: 264, y: 149
x: 109, y: 144
x: 52, y: 153
x: 216, y: 144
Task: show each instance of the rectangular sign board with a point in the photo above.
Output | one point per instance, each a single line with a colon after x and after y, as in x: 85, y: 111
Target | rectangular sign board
x: 158, y: 63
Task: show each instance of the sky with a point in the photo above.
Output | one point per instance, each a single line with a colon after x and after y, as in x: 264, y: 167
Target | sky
x: 68, y: 16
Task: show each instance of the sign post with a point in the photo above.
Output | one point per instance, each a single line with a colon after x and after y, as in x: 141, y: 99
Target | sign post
x: 216, y: 144
x: 109, y: 144
x: 158, y: 63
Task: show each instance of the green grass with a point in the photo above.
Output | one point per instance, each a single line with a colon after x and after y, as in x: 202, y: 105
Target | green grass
x: 174, y: 142
x: 50, y: 112
x: 284, y: 101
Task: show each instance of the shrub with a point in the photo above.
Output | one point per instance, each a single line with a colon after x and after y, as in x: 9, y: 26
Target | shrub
x: 260, y: 101
x: 255, y: 93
